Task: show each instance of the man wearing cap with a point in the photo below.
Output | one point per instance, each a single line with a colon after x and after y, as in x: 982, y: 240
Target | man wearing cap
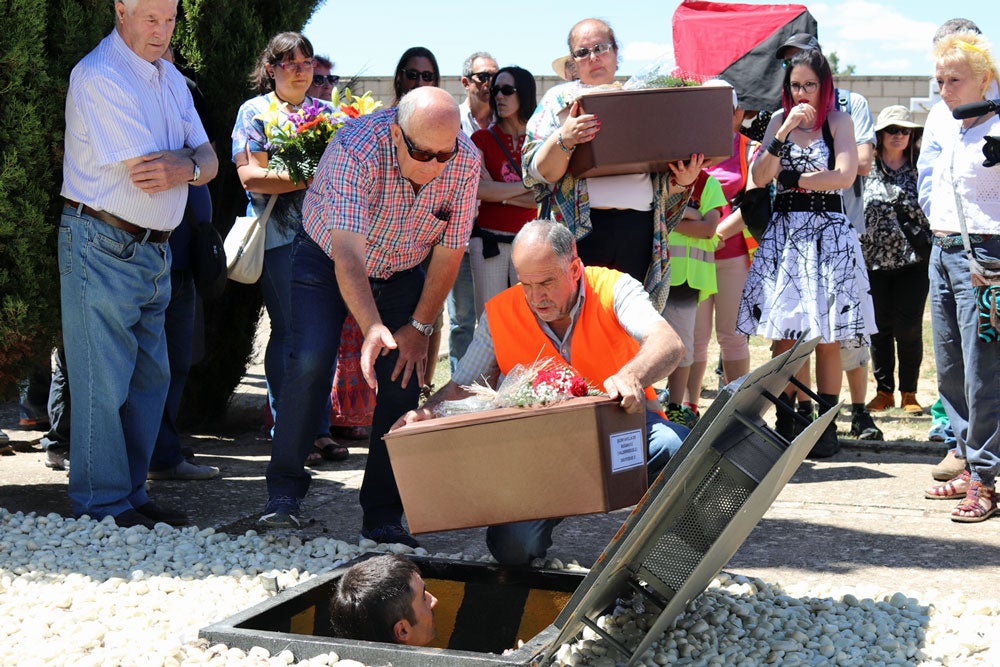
x: 133, y: 144
x: 854, y: 360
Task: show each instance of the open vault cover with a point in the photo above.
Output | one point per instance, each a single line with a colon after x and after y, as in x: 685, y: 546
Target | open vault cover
x: 685, y: 529
x: 700, y: 509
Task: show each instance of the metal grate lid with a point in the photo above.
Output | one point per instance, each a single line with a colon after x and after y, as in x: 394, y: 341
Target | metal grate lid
x: 700, y: 509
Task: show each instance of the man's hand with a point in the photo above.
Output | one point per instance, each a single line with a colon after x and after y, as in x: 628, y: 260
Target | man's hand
x: 418, y: 415
x: 625, y: 386
x: 161, y: 171
x: 412, y: 355
x: 378, y: 341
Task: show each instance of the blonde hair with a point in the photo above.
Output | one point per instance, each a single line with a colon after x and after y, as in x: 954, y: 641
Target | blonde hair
x: 970, y: 48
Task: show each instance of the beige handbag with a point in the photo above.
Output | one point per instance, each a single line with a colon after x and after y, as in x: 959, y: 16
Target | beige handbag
x: 245, y: 246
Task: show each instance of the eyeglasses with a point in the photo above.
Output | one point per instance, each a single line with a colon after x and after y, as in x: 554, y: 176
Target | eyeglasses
x: 289, y: 66
x: 506, y: 89
x: 481, y: 77
x: 325, y: 79
x: 895, y: 129
x: 595, y: 50
x: 807, y: 87
x: 414, y: 74
x: 426, y: 156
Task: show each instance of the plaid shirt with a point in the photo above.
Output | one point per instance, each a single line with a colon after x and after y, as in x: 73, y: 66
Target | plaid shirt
x: 359, y: 188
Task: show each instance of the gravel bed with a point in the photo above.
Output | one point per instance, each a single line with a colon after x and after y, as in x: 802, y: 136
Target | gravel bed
x: 87, y: 593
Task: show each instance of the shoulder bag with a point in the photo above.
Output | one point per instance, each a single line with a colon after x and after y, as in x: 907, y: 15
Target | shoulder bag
x: 245, y: 246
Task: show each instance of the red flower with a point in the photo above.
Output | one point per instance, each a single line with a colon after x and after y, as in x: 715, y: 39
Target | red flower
x: 349, y: 110
x: 313, y: 123
x: 578, y: 386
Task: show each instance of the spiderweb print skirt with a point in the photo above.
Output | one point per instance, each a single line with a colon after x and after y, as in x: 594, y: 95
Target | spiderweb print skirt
x: 808, y: 275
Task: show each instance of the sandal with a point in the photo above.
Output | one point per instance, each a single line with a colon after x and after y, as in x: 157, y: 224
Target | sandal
x: 973, y: 504
x: 330, y: 450
x: 953, y: 489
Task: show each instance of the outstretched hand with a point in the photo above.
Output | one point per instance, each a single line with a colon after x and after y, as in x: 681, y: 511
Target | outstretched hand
x: 686, y: 173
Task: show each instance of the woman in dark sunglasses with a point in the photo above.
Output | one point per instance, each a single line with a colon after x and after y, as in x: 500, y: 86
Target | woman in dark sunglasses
x: 506, y: 204
x: 417, y: 67
x: 896, y: 245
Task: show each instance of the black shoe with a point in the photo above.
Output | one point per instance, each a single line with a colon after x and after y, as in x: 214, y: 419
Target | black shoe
x: 281, y: 512
x: 784, y: 422
x: 162, y: 514
x: 130, y: 518
x: 390, y: 533
x: 57, y: 459
x: 827, y: 445
x: 863, y: 426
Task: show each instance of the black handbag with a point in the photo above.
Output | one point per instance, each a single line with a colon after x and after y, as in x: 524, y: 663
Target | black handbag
x: 208, y: 260
x: 755, y: 207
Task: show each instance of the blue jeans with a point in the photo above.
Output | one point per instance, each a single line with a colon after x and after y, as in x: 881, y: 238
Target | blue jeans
x: 179, y: 329
x: 520, y: 543
x: 276, y: 283
x: 461, y: 305
x: 114, y: 294
x: 318, y: 313
x: 968, y: 369
x: 57, y: 439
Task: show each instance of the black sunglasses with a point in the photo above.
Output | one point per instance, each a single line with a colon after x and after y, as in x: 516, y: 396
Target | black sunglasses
x: 506, y: 89
x: 426, y: 156
x: 325, y: 79
x: 895, y: 129
x: 414, y: 74
x: 481, y: 77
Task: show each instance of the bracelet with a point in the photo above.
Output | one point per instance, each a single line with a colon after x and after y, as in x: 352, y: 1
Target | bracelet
x: 774, y: 148
x: 559, y: 140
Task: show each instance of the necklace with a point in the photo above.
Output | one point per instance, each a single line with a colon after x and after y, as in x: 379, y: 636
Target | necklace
x: 292, y: 107
x: 979, y: 121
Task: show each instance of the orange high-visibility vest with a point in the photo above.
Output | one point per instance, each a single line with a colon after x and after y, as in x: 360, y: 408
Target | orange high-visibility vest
x: 600, y: 345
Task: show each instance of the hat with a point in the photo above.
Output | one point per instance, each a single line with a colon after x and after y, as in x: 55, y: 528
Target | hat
x: 802, y: 40
x: 897, y: 115
x: 719, y: 83
x: 563, y: 63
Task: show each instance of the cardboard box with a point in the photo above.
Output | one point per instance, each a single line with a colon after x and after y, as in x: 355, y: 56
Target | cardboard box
x: 644, y: 130
x: 582, y: 456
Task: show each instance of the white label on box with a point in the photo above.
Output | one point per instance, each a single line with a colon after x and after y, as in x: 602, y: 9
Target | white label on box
x: 626, y: 450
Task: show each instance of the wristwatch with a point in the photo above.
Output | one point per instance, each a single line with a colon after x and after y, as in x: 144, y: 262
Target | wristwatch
x: 197, y: 171
x: 425, y: 329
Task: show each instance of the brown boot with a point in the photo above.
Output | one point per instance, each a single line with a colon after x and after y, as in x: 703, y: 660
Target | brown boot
x: 908, y: 401
x: 882, y: 401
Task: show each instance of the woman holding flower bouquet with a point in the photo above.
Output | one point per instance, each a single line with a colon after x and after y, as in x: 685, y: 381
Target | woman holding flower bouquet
x: 283, y: 74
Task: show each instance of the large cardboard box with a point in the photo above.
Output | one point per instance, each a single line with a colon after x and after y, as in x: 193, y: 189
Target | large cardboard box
x: 582, y: 456
x: 644, y: 130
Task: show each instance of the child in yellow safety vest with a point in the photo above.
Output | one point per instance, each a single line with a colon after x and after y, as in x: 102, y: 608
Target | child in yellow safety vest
x: 692, y: 279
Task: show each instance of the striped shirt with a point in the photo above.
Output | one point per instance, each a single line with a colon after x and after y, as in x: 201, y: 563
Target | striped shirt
x: 120, y: 107
x: 359, y: 188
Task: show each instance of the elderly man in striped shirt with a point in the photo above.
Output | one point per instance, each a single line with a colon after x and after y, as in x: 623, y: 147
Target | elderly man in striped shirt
x: 392, y: 188
x: 133, y: 143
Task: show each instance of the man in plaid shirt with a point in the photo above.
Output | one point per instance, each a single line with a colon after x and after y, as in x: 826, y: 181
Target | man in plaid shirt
x: 392, y: 187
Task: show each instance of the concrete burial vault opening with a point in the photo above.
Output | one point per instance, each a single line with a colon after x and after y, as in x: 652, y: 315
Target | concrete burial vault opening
x: 688, y: 525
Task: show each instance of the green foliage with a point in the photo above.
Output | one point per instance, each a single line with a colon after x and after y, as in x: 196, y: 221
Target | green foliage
x: 31, y: 123
x: 834, y: 61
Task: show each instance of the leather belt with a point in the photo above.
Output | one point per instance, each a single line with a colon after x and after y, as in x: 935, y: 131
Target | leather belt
x: 141, y: 234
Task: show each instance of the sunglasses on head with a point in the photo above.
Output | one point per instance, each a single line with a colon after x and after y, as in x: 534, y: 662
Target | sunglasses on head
x: 325, y: 79
x: 481, y: 77
x: 414, y: 74
x: 506, y: 89
x: 426, y: 156
x: 895, y: 129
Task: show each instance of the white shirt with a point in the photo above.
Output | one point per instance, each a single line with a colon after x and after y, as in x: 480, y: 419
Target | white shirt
x: 120, y: 107
x: 978, y: 186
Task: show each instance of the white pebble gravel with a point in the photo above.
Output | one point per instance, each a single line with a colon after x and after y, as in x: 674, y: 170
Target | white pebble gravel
x: 87, y: 593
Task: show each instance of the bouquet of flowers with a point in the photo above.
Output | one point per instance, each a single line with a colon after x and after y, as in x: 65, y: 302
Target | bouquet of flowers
x: 663, y: 73
x: 543, y: 382
x: 297, y: 143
